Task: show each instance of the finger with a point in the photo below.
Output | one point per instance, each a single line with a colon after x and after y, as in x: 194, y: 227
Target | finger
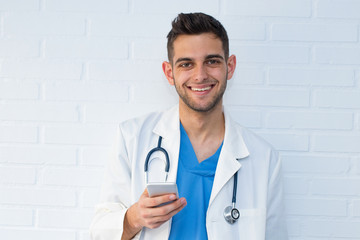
x: 168, y: 208
x: 175, y: 211
x: 158, y: 220
x: 156, y: 201
x: 145, y: 193
x: 155, y: 224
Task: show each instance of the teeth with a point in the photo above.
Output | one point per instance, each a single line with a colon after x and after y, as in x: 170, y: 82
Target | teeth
x: 201, y: 89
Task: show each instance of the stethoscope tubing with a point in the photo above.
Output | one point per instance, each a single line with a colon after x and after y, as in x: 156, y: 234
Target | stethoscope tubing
x: 234, y: 189
x: 167, y: 164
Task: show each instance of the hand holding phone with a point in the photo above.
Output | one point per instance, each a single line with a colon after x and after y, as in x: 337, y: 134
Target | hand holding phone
x: 147, y: 212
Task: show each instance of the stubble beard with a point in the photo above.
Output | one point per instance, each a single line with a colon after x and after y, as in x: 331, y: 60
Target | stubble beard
x: 194, y: 106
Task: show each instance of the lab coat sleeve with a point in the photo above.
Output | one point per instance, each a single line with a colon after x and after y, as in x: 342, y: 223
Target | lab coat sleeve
x: 275, y: 220
x: 109, y: 216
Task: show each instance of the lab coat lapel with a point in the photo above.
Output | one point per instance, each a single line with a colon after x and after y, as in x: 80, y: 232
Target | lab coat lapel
x: 233, y: 150
x: 168, y: 127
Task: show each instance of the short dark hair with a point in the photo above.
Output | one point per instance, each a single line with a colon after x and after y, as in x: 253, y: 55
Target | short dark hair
x: 193, y: 24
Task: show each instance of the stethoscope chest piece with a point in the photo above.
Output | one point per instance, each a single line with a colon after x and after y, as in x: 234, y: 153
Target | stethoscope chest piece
x: 231, y: 214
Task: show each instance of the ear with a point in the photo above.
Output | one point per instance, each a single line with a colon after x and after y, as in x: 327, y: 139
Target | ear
x: 231, y: 65
x: 167, y: 69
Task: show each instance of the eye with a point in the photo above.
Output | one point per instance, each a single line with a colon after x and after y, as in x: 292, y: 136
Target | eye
x: 185, y: 65
x: 212, y: 61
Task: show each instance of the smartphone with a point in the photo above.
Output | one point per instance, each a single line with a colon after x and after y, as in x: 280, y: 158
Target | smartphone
x: 161, y: 188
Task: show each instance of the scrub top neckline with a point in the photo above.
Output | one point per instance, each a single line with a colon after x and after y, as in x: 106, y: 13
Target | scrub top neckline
x: 207, y: 167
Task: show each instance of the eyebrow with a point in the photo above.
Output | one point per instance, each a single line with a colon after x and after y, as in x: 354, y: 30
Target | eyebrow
x: 207, y: 57
x: 183, y: 59
x: 214, y: 56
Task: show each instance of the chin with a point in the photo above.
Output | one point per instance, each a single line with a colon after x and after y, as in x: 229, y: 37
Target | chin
x: 203, y: 108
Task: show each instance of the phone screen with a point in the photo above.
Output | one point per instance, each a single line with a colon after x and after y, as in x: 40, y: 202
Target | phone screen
x: 161, y: 188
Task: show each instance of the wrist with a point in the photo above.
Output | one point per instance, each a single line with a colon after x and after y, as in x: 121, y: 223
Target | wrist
x: 131, y: 226
x: 132, y: 219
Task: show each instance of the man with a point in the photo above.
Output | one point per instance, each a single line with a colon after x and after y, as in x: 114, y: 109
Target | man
x: 214, y: 161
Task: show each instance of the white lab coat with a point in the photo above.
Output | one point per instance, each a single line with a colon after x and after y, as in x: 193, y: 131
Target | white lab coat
x: 259, y: 193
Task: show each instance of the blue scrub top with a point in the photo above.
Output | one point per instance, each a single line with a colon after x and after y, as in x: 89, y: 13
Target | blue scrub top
x: 194, y: 181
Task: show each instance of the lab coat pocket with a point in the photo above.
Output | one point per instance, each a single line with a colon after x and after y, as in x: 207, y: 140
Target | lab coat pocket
x: 249, y: 226
x: 252, y: 224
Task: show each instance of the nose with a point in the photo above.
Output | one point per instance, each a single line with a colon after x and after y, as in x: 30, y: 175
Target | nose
x: 200, y: 73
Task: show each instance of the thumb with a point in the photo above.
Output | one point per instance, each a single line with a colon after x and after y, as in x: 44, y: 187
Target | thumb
x: 145, y: 193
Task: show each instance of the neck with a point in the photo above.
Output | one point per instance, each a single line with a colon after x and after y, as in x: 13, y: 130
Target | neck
x: 202, y: 126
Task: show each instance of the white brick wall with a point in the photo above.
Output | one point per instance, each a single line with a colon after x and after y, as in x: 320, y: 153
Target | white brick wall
x: 71, y: 70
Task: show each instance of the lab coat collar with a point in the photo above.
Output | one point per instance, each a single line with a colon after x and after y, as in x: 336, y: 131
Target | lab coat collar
x: 169, y: 122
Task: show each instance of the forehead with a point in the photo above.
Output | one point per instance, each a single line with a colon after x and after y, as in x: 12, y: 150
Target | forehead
x: 197, y: 46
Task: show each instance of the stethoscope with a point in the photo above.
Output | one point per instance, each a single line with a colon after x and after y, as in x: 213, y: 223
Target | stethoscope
x: 231, y: 213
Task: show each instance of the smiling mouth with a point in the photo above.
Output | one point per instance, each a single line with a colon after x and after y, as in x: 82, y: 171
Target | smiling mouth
x: 203, y: 89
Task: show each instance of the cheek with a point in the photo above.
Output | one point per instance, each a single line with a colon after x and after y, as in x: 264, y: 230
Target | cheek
x: 218, y: 74
x: 182, y: 76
